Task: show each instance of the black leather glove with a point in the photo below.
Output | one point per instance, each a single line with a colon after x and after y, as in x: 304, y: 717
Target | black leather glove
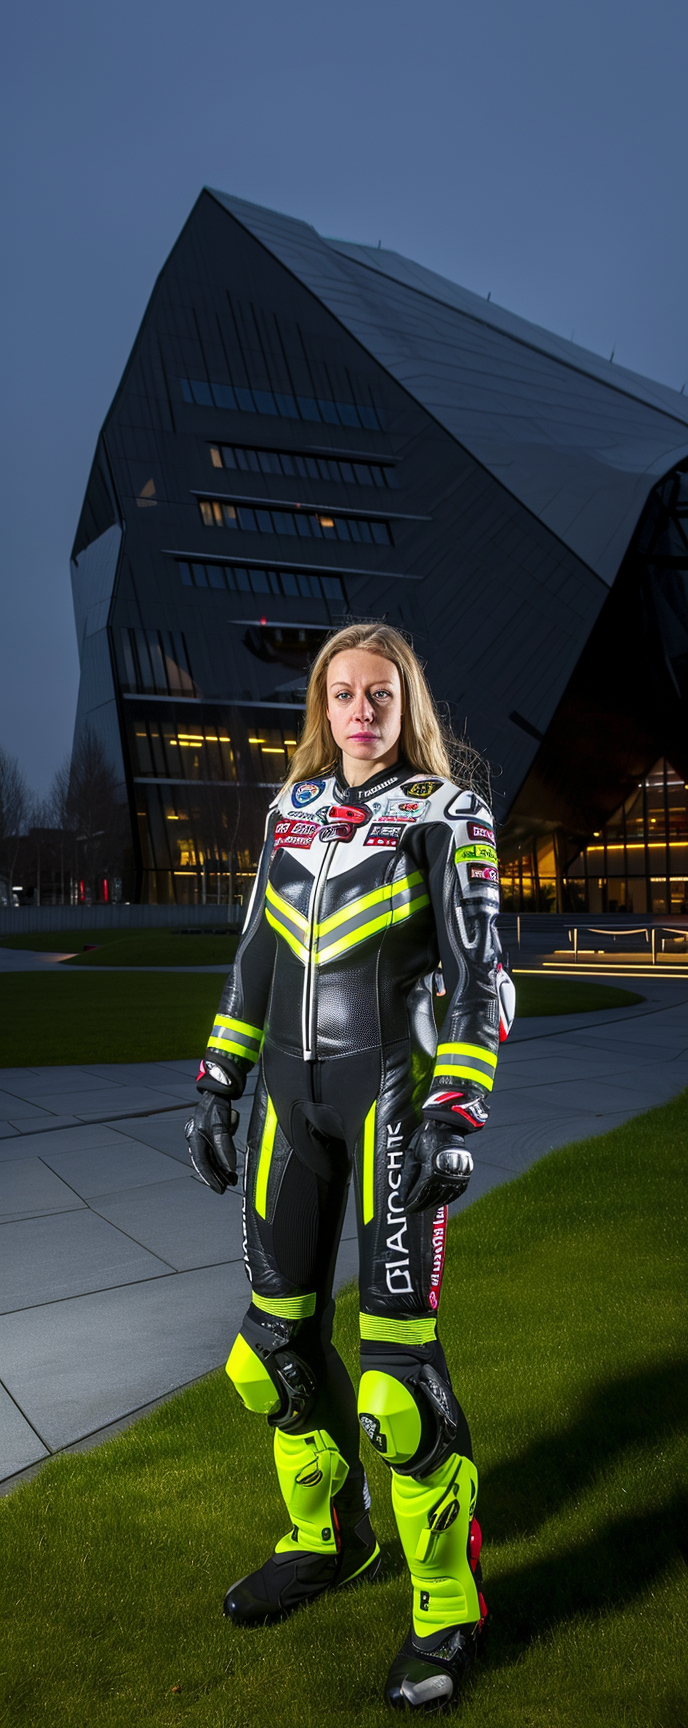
x: 209, y: 1132
x: 437, y: 1168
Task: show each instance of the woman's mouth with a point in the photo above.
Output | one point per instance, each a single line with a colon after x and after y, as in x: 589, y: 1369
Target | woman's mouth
x: 363, y: 737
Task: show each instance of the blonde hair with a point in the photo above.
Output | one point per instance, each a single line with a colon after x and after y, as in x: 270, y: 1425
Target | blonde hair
x: 425, y: 743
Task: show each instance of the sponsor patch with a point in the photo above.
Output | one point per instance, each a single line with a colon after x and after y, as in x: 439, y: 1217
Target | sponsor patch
x: 404, y: 806
x: 439, y: 1243
x: 337, y: 831
x: 384, y: 834
x: 306, y: 791
x: 483, y: 873
x: 463, y: 804
x: 292, y: 832
x: 464, y: 853
x: 355, y: 813
x: 421, y: 788
x: 480, y: 831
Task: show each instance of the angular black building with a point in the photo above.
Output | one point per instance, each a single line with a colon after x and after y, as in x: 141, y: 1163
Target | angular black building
x: 309, y: 430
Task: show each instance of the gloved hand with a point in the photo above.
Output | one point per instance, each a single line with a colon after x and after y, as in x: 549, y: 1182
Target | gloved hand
x: 209, y: 1132
x: 437, y: 1168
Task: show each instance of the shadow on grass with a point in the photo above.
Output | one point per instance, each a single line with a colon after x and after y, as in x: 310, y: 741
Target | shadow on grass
x: 520, y: 1494
x: 617, y: 1564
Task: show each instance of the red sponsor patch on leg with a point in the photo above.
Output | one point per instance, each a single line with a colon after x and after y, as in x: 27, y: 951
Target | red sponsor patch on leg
x: 439, y: 1245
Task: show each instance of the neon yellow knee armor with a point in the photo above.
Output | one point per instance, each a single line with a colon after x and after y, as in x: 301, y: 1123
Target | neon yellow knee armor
x: 433, y: 1519
x: 311, y: 1471
x: 389, y: 1415
x: 251, y: 1379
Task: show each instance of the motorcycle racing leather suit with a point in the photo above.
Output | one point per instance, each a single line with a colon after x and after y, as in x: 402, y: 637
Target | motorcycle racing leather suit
x: 360, y: 895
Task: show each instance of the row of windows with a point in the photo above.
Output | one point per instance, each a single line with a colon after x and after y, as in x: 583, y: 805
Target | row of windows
x: 308, y: 524
x: 208, y: 753
x: 359, y: 414
x: 157, y: 660
x: 295, y: 584
x: 291, y: 462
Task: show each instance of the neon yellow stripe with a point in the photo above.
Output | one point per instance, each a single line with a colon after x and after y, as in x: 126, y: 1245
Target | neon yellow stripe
x: 286, y: 1307
x: 369, y: 1164
x: 388, y: 892
x: 265, y: 1158
x: 239, y: 1026
x: 468, y: 1050
x: 397, y: 1331
x: 454, y: 1065
x: 282, y: 905
x: 411, y: 906
x: 293, y: 941
x: 340, y: 947
x: 237, y: 1049
x: 352, y: 910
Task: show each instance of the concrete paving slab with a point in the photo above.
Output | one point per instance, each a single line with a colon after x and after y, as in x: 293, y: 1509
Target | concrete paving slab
x: 107, y: 1101
x: 31, y: 1125
x: 19, y: 1443
x: 593, y: 1096
x: 81, y: 1136
x: 127, y: 1166
x: 512, y: 1149
x: 181, y: 1221
x: 35, y: 1087
x: 166, y: 1133
x: 50, y: 1259
x: 13, y: 1107
x: 159, y: 1075
x: 75, y: 1366
x: 28, y: 1189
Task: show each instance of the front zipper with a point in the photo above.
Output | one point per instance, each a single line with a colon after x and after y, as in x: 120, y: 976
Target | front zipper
x: 309, y: 992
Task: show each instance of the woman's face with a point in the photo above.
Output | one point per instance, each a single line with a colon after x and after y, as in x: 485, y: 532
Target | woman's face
x: 364, y: 708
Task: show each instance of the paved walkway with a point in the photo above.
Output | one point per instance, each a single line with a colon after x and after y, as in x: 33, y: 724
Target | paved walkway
x: 121, y: 1275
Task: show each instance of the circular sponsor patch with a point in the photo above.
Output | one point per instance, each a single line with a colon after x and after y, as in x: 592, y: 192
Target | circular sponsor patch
x: 306, y: 791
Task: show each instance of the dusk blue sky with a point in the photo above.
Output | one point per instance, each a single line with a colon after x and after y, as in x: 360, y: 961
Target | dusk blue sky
x: 536, y: 150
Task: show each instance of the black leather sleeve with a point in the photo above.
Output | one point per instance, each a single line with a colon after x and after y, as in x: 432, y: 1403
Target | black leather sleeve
x: 465, y: 904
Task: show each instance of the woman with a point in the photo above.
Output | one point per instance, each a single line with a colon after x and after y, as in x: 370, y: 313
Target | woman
x: 375, y: 870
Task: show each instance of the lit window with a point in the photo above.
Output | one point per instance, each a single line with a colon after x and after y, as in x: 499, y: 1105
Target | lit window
x: 215, y: 456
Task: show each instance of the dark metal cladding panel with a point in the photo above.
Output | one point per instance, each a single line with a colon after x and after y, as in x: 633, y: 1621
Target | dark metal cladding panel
x: 579, y: 449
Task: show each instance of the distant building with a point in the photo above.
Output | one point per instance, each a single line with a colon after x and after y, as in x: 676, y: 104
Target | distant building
x: 309, y: 430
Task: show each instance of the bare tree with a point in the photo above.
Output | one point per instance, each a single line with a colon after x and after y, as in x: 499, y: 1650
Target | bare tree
x: 14, y: 809
x: 92, y: 811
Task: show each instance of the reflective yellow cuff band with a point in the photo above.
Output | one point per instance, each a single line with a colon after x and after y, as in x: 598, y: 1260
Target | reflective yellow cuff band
x: 398, y: 1331
x: 286, y: 1307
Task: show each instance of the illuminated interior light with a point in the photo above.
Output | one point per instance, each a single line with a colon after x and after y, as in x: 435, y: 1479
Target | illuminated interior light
x: 256, y: 740
x: 273, y: 749
x: 326, y: 521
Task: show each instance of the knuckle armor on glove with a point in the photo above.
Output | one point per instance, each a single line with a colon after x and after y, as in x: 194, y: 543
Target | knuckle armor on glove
x: 438, y: 1168
x: 209, y: 1133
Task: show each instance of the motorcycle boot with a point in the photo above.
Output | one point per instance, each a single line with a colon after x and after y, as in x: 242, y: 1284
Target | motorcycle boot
x: 330, y: 1544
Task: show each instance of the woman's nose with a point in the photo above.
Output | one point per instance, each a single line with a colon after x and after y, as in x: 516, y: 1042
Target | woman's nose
x: 364, y: 707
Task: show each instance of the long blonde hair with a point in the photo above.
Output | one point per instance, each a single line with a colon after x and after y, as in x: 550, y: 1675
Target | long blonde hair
x: 425, y: 742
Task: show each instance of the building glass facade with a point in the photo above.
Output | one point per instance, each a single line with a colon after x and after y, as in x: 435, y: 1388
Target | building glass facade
x: 266, y: 472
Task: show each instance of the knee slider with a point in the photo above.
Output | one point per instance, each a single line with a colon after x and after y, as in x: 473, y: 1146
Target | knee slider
x: 268, y: 1373
x: 409, y: 1413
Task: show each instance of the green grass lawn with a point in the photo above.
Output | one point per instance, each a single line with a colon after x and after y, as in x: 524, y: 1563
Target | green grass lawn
x: 563, y: 1317
x: 52, y: 1017
x: 132, y: 947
